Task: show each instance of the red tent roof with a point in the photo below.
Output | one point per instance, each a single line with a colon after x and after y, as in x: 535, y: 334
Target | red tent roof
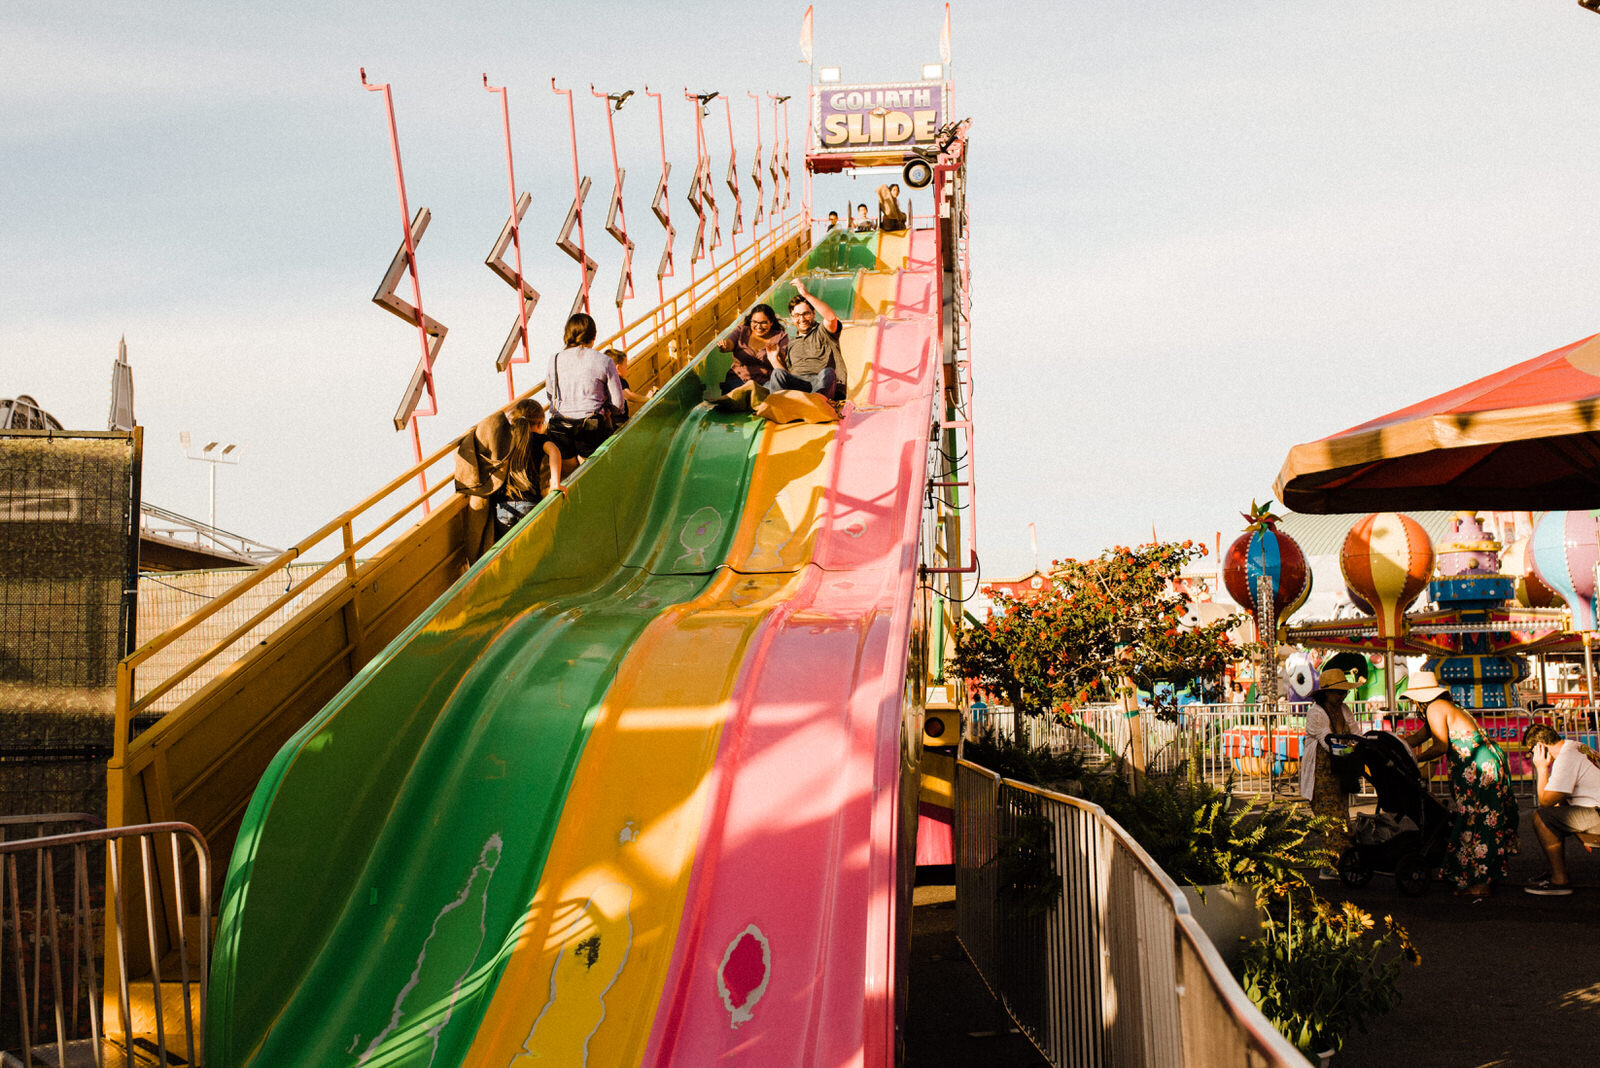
x: 1525, y: 438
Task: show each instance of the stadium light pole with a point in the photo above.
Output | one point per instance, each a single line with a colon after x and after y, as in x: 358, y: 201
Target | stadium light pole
x: 213, y: 453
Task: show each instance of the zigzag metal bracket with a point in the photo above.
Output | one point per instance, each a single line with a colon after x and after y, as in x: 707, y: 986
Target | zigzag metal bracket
x: 697, y: 202
x: 786, y: 176
x: 496, y: 262
x: 775, y: 206
x: 708, y: 197
x: 784, y: 100
x: 702, y: 192
x: 665, y: 268
x: 616, y: 226
x: 391, y: 302
x: 733, y: 178
x: 738, y: 208
x: 564, y: 243
x: 755, y: 169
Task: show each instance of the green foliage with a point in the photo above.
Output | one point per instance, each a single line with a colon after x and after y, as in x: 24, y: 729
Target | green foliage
x: 1200, y: 836
x: 1095, y: 621
x: 1318, y: 969
x: 1018, y: 760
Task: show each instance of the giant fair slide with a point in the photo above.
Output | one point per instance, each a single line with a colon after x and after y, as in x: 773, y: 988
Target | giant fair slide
x: 635, y: 790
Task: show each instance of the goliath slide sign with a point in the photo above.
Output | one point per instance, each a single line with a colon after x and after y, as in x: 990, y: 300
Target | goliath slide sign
x: 854, y: 118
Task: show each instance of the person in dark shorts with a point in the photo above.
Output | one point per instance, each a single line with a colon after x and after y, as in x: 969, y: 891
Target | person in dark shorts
x: 481, y: 478
x: 585, y: 393
x: 813, y: 363
x: 1567, y: 786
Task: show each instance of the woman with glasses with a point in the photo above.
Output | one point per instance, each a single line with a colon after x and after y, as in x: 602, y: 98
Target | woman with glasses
x: 1483, y: 837
x: 753, y: 343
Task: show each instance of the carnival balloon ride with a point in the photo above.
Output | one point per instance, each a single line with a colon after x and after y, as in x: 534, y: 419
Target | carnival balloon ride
x: 1476, y: 635
x: 1266, y: 573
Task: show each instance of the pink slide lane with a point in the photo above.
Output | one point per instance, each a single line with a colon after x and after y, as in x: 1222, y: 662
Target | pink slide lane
x: 788, y: 953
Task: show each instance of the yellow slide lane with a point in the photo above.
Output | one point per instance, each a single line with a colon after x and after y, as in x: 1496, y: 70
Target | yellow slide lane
x: 875, y: 294
x: 583, y: 982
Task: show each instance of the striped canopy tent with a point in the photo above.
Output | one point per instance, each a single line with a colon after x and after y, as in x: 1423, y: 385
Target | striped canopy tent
x: 1522, y: 439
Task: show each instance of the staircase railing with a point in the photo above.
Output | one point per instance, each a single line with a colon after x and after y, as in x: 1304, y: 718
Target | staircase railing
x: 659, y: 343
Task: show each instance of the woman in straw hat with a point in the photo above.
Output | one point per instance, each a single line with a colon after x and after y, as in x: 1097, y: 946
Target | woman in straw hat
x: 1484, y: 835
x: 1319, y: 784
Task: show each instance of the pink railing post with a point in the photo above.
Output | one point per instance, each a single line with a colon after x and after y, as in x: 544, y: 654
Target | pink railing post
x: 616, y: 217
x: 429, y: 348
x: 777, y: 209
x: 784, y: 100
x: 733, y: 181
x: 658, y: 205
x: 527, y: 298
x: 700, y: 189
x: 811, y: 145
x: 587, y: 267
x: 755, y: 173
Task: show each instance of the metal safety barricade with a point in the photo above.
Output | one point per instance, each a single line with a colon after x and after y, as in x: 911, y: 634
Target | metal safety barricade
x: 1087, y: 943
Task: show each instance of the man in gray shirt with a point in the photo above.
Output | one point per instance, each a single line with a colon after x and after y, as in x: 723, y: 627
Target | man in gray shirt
x: 813, y: 364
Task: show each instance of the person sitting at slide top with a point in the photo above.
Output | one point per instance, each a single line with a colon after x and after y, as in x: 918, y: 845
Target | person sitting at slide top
x: 891, y: 219
x: 1567, y: 789
x: 752, y: 343
x: 629, y: 397
x: 585, y: 393
x: 812, y: 363
x: 506, y: 458
x: 833, y: 222
x: 863, y: 223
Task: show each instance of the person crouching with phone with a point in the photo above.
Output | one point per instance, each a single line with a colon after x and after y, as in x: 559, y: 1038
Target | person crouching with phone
x: 1567, y: 787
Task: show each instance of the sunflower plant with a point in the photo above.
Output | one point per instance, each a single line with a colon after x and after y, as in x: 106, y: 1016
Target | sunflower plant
x: 1319, y: 969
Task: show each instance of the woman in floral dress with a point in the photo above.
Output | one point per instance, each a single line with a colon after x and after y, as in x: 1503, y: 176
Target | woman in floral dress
x: 1484, y: 835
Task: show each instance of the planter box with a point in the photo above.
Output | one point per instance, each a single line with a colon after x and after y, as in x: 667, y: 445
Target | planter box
x: 1229, y: 916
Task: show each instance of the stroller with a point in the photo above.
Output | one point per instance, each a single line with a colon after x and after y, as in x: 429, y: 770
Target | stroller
x: 1407, y: 836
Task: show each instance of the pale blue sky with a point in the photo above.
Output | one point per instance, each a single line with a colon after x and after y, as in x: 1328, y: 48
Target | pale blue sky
x: 1201, y: 233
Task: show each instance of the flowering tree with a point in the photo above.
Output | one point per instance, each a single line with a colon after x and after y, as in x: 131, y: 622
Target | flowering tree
x: 1094, y: 623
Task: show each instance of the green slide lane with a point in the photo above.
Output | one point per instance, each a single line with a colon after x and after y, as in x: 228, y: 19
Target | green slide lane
x: 394, y: 842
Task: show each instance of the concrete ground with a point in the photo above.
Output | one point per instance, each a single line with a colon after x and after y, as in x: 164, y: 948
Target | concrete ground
x: 1511, y: 982
x: 953, y: 1020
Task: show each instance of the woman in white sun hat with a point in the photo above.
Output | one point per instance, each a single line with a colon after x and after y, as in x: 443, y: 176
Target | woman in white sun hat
x: 1484, y: 835
x: 1319, y: 784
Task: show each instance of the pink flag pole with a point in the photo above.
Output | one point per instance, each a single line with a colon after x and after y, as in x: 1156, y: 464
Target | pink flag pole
x: 755, y: 174
x: 733, y: 180
x: 616, y: 216
x: 516, y: 236
x: 658, y: 205
x: 577, y: 198
x: 416, y: 283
